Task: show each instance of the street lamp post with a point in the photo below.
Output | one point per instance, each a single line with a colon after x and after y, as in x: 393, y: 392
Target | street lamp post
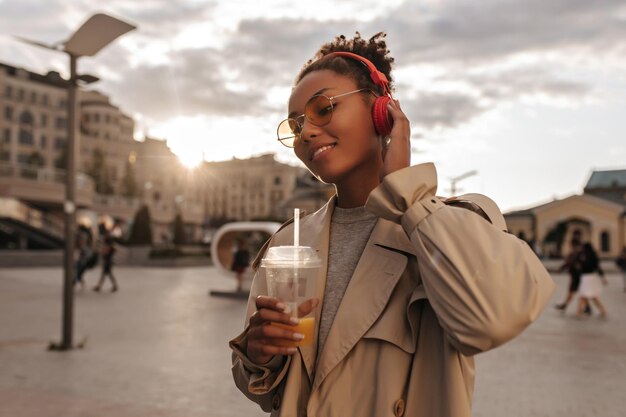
x: 456, y: 179
x: 96, y: 33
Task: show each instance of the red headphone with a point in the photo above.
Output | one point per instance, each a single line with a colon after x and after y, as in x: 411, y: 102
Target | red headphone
x: 382, y: 121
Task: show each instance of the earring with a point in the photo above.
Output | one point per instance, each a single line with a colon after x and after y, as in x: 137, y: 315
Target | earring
x: 387, y: 140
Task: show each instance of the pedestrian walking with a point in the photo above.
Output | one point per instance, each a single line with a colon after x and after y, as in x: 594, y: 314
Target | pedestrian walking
x: 573, y: 265
x: 591, y: 281
x: 411, y: 285
x: 241, y: 261
x: 85, y: 258
x: 621, y: 264
x: 107, y: 251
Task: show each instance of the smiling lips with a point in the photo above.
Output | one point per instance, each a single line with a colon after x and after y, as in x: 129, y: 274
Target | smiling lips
x: 321, y: 150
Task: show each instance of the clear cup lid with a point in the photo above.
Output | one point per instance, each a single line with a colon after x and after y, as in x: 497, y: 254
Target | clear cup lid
x: 291, y: 256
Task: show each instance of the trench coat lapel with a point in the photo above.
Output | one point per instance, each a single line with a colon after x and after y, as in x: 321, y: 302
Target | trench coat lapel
x: 376, y: 275
x: 315, y: 232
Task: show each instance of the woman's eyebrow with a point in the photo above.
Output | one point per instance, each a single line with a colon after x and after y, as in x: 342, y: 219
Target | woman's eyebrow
x: 293, y: 113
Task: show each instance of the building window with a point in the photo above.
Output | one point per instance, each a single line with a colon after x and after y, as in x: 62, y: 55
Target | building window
x: 5, y: 155
x: 61, y: 123
x: 59, y: 143
x: 26, y: 128
x: 6, y: 135
x: 33, y: 97
x: 20, y: 94
x: 96, y: 118
x: 23, y: 158
x: 8, y: 91
x: 276, y: 180
x: 8, y: 113
x: 44, y: 100
x: 44, y: 120
x: 26, y: 137
x: 605, y: 242
x: 43, y: 141
x: 107, y: 118
x: 26, y: 118
x: 86, y: 117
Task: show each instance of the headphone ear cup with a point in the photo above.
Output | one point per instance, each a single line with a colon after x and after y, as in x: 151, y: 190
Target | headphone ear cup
x: 382, y: 122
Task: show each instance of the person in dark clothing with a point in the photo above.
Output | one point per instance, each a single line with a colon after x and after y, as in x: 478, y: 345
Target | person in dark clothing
x: 241, y: 261
x: 621, y: 264
x: 573, y: 265
x: 84, y: 242
x: 108, y: 250
x: 590, y: 286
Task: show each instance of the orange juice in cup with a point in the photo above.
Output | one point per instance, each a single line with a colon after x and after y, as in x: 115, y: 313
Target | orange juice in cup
x: 305, y: 327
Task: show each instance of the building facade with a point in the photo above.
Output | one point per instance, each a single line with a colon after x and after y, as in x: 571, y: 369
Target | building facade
x: 258, y: 188
x: 117, y: 174
x: 598, y: 215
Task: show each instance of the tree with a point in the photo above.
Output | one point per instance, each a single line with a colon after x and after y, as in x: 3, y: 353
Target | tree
x: 179, y: 230
x: 129, y: 184
x: 100, y: 173
x: 34, y: 161
x: 141, y: 230
x: 61, y: 161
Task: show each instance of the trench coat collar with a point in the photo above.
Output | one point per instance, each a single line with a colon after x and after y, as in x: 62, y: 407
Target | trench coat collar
x: 315, y: 232
x: 376, y: 275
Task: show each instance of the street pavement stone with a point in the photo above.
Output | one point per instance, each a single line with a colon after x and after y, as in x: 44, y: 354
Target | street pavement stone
x: 158, y: 347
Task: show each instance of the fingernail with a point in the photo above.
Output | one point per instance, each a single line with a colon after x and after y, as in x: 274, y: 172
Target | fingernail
x: 286, y: 309
x: 298, y: 336
x: 280, y: 306
x: 294, y: 320
x: 292, y: 350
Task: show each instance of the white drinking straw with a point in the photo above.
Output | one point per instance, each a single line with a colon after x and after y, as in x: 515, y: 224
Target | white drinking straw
x: 296, y: 227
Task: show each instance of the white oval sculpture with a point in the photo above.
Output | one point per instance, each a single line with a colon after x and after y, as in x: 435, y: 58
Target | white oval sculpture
x: 223, y: 240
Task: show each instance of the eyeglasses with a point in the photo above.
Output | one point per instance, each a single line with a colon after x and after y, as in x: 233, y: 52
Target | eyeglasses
x: 318, y: 111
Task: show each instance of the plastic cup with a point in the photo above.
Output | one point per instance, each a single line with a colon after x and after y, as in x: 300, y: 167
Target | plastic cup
x: 291, y: 275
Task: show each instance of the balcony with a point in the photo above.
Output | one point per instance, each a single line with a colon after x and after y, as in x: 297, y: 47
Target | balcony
x: 42, y: 186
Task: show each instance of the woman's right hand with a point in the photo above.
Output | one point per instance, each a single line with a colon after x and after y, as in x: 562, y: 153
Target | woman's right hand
x: 265, y: 340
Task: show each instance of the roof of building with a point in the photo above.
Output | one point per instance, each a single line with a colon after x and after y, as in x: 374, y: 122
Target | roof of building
x: 52, y: 78
x: 592, y: 199
x: 607, y: 179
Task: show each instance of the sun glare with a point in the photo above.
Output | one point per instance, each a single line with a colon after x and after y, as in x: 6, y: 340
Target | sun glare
x: 189, y: 158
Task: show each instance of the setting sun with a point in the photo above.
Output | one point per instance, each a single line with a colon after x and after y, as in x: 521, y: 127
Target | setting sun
x: 189, y: 157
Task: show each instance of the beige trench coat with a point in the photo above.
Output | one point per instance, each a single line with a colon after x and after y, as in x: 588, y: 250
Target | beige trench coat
x: 435, y: 285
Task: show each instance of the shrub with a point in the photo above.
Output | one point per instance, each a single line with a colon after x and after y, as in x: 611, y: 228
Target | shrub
x: 141, y: 231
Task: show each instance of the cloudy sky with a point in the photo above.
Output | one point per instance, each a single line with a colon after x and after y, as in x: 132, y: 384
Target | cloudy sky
x: 531, y: 94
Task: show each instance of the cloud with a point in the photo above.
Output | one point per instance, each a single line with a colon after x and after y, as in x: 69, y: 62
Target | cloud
x: 472, y: 31
x: 191, y: 85
x: 466, y: 40
x: 437, y: 110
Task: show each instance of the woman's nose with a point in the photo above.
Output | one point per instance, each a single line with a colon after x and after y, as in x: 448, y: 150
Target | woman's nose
x: 309, y: 131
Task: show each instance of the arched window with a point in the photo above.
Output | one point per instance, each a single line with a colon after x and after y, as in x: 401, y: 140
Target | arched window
x: 605, y: 241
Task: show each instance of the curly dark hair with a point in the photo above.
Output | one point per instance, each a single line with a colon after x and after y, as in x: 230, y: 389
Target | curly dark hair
x: 374, y: 49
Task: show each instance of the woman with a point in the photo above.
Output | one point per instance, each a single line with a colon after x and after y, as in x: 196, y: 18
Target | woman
x: 411, y: 286
x: 590, y: 286
x: 108, y: 251
x: 241, y: 261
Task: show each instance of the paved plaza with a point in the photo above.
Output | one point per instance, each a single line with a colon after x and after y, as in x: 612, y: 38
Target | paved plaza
x: 159, y: 348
